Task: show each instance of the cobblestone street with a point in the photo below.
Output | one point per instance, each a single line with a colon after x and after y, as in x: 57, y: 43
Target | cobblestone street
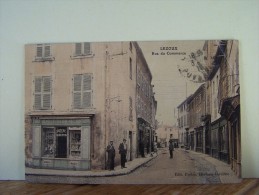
x: 185, y: 167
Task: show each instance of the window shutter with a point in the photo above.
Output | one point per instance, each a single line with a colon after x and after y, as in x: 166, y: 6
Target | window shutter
x: 87, y: 96
x: 37, y: 93
x: 87, y: 82
x: 87, y: 49
x: 78, y: 49
x: 46, y: 103
x: 87, y: 92
x: 77, y: 91
x: 47, y: 51
x: 39, y: 53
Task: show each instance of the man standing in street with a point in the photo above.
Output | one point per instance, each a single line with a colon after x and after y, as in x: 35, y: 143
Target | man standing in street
x: 111, y: 155
x: 171, y: 146
x: 123, y: 153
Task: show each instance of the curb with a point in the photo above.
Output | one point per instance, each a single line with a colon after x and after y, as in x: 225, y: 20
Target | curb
x: 99, y: 174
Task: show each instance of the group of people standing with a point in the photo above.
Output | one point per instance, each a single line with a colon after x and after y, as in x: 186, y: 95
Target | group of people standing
x: 111, y: 154
x: 123, y: 153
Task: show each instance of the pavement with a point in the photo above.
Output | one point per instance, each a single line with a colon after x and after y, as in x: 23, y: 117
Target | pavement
x: 130, y: 167
x: 224, y: 171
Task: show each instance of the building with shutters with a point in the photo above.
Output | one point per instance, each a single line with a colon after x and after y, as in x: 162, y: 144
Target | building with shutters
x: 183, y: 122
x: 79, y: 97
x: 146, y: 105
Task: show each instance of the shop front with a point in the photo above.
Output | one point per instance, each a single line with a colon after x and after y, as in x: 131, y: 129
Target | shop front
x: 231, y: 110
x: 61, y: 143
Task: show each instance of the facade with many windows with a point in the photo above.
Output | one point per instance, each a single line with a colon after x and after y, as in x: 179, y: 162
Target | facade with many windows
x: 146, y: 105
x: 219, y: 133
x: 79, y: 96
x: 183, y: 122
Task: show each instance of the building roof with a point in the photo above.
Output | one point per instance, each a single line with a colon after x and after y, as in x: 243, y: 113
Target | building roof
x: 220, y: 54
x: 141, y: 55
x: 185, y: 101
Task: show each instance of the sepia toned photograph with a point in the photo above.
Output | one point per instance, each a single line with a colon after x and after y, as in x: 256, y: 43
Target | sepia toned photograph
x: 133, y: 112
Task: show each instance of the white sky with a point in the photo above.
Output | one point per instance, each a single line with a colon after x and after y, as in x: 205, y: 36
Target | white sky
x: 169, y: 85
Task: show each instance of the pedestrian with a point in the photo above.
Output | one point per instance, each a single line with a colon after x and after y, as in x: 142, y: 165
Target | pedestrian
x: 123, y: 153
x: 111, y: 155
x: 171, y: 146
x: 155, y: 147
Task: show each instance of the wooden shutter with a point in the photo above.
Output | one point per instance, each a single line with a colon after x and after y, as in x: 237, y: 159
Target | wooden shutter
x: 47, y: 51
x: 87, y: 90
x: 46, y: 94
x: 87, y: 49
x: 77, y: 91
x: 37, y: 93
x: 39, y: 52
x: 78, y: 49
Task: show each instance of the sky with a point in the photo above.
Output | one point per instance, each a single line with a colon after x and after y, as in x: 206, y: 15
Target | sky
x: 170, y: 87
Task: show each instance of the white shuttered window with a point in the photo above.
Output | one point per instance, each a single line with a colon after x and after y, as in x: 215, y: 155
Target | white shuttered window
x: 42, y: 93
x: 82, y: 95
x: 43, y: 51
x: 82, y: 49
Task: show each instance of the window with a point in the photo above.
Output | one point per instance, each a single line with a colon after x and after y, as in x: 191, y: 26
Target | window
x: 82, y: 95
x: 42, y: 93
x: 130, y: 109
x: 82, y: 49
x: 61, y: 142
x: 48, y: 142
x: 43, y: 52
x: 75, y: 143
x: 130, y: 68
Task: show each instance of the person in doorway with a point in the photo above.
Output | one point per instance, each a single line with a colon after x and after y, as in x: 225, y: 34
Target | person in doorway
x: 171, y: 146
x: 155, y: 147
x: 123, y: 153
x: 142, y: 149
x: 111, y: 155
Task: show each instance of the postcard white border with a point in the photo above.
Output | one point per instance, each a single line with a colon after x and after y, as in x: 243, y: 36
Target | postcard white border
x: 23, y: 22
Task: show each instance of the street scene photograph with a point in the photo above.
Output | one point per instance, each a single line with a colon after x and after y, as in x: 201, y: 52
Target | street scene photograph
x: 133, y: 112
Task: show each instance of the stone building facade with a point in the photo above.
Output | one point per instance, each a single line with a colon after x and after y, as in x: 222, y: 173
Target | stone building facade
x: 214, y: 126
x: 146, y: 105
x: 78, y: 97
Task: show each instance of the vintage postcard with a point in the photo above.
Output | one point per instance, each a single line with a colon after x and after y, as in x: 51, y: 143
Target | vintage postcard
x: 153, y: 112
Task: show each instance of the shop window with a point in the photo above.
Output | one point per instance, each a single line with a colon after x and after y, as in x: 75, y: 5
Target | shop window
x: 48, y: 142
x: 82, y: 95
x: 75, y: 143
x: 42, y: 93
x: 61, y: 142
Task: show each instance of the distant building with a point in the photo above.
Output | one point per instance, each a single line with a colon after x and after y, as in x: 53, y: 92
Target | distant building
x: 196, y: 109
x: 183, y: 122
x: 163, y: 135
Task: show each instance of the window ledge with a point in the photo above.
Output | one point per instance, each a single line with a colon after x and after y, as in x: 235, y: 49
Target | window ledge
x: 44, y: 59
x: 82, y: 56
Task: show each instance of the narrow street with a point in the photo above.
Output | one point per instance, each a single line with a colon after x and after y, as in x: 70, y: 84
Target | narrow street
x: 185, y: 167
